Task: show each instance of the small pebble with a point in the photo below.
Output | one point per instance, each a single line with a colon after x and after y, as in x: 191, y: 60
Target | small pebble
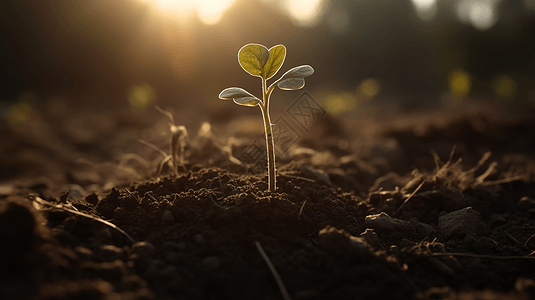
x: 336, y: 239
x: 76, y: 192
x: 143, y: 249
x: 458, y: 223
x: 110, y: 253
x: 168, y: 217
x: 383, y: 221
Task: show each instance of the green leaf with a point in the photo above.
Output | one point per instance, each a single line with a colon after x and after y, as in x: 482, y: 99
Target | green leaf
x: 294, y: 79
x: 239, y: 96
x: 291, y: 84
x: 253, y: 58
x: 277, y: 54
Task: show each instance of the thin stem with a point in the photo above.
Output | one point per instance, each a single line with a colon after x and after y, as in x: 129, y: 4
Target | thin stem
x: 270, y: 143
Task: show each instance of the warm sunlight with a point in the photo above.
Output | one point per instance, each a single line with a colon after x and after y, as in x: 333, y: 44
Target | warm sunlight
x: 426, y: 9
x: 481, y: 14
x: 305, y: 12
x: 209, y: 11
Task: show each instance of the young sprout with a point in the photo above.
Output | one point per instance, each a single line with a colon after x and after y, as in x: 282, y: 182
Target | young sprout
x: 258, y: 61
x: 178, y: 141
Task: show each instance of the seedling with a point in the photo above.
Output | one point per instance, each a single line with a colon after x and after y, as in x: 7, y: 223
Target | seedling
x: 178, y: 142
x: 258, y: 61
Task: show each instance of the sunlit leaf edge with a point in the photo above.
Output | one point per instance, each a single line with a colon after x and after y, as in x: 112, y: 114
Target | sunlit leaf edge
x: 277, y: 56
x: 239, y: 96
x: 247, y: 101
x: 234, y: 92
x: 299, y: 72
x: 291, y: 84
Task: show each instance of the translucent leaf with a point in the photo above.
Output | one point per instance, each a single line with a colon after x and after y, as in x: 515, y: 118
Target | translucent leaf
x: 297, y: 72
x: 253, y: 58
x: 291, y: 84
x: 239, y: 96
x: 277, y: 54
x: 247, y: 101
x: 294, y: 79
x: 234, y: 92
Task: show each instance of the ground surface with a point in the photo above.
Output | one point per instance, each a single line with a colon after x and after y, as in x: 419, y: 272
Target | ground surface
x: 437, y: 205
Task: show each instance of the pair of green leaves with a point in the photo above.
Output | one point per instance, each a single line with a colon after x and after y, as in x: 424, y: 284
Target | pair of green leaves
x: 258, y: 61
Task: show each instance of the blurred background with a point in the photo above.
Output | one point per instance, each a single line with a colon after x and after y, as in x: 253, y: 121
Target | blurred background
x: 398, y: 54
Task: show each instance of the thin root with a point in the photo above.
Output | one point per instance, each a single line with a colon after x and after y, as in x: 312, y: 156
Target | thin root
x: 43, y: 202
x: 301, y: 210
x: 408, y: 198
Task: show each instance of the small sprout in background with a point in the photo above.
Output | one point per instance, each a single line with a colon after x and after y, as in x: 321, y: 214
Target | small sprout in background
x: 262, y: 62
x: 178, y: 142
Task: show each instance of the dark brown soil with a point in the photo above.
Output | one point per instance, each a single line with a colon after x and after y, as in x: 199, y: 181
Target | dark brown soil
x: 425, y: 206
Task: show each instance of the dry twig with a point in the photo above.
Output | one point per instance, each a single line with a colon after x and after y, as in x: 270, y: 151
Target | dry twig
x: 72, y: 211
x: 271, y: 267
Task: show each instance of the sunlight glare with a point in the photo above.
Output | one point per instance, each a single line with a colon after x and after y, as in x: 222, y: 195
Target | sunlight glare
x: 426, y: 9
x: 210, y: 12
x: 482, y: 14
x: 175, y: 6
x: 305, y: 12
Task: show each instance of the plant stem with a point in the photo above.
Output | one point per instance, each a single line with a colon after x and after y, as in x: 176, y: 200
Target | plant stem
x: 270, y: 143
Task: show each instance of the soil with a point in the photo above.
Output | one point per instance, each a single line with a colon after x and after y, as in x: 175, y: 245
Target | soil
x: 434, y: 205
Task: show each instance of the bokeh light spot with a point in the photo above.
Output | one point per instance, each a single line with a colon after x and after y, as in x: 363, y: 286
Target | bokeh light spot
x: 369, y: 87
x: 172, y: 6
x: 305, y: 12
x: 19, y: 113
x: 210, y: 12
x: 460, y: 82
x: 340, y: 103
x: 141, y: 96
x: 480, y: 13
x: 504, y: 86
x: 426, y: 9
